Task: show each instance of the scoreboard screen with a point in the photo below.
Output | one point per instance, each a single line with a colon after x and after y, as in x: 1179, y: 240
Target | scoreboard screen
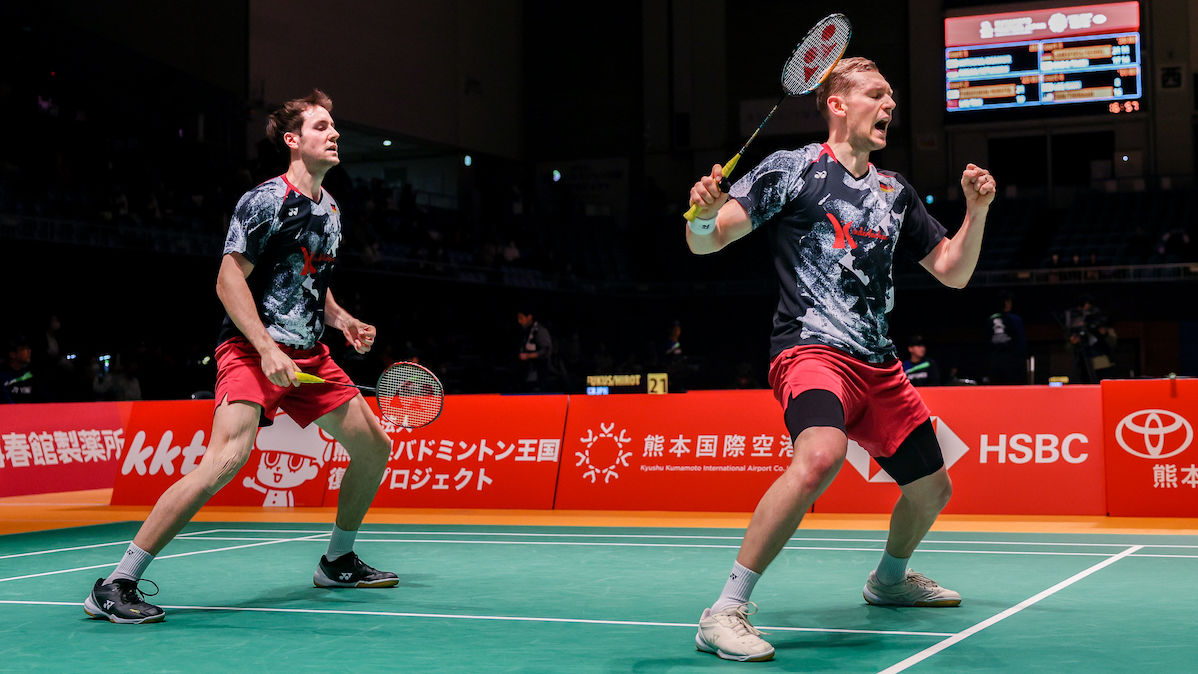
x: 1044, y: 57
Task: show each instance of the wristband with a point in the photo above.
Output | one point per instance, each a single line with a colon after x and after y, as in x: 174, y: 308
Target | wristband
x: 702, y: 227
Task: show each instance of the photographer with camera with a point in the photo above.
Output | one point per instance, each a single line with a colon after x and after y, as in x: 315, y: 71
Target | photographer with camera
x: 1091, y: 339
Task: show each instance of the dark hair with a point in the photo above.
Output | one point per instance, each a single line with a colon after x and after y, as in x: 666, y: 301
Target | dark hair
x: 289, y: 117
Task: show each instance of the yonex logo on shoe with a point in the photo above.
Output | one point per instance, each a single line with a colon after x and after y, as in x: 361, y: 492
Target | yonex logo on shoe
x: 346, y: 576
x: 108, y: 604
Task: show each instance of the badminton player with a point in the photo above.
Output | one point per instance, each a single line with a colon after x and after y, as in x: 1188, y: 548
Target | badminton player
x: 274, y: 284
x: 834, y: 223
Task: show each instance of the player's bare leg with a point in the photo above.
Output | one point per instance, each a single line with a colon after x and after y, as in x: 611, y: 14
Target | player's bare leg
x: 912, y: 518
x: 724, y: 629
x: 234, y: 426
x: 916, y: 511
x: 119, y: 598
x: 355, y: 426
x: 819, y: 452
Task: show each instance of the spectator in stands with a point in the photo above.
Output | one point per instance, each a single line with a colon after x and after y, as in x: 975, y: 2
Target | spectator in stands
x: 1091, y: 340
x: 17, y: 381
x: 511, y: 253
x: 921, y: 370
x: 1008, y: 345
x: 672, y: 350
x: 1175, y: 246
x: 536, y: 352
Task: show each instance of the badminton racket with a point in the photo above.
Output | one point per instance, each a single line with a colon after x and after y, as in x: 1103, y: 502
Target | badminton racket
x: 804, y: 71
x: 409, y: 394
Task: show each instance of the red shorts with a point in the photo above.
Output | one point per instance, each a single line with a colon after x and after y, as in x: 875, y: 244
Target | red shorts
x: 881, y: 407
x: 239, y: 376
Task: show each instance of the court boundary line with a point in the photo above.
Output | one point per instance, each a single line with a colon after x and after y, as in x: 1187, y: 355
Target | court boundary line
x: 1003, y: 615
x: 99, y: 545
x: 180, y: 554
x: 458, y: 616
x: 706, y: 537
x: 708, y: 546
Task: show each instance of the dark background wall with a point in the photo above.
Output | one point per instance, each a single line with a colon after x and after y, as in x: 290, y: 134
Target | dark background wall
x: 630, y: 101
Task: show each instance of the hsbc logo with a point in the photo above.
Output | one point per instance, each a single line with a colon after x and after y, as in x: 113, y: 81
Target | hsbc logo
x: 1022, y: 448
x: 951, y: 446
x: 1154, y: 434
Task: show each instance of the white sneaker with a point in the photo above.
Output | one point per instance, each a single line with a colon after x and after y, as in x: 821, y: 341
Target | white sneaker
x: 729, y: 635
x: 914, y: 590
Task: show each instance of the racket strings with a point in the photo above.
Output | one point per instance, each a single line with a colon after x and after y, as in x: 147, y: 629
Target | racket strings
x: 409, y: 395
x: 816, y: 55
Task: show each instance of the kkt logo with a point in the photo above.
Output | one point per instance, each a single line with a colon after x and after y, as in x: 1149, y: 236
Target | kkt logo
x: 951, y: 445
x: 1154, y: 434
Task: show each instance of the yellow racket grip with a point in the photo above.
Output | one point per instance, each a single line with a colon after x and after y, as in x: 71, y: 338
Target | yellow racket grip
x: 693, y: 212
x: 305, y: 378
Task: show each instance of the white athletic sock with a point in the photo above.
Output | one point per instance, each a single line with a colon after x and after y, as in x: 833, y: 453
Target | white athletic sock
x: 132, y: 565
x: 737, y: 589
x: 340, y: 542
x: 892, y: 569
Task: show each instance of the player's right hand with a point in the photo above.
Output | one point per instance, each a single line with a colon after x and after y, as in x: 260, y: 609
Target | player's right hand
x: 706, y: 194
x: 278, y: 367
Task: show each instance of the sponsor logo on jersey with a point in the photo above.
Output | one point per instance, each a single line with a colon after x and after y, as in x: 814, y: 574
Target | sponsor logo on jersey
x: 311, y: 259
x: 843, y: 234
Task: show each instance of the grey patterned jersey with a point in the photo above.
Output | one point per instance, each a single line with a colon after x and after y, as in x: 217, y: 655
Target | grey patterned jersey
x: 293, y: 244
x: 833, y: 237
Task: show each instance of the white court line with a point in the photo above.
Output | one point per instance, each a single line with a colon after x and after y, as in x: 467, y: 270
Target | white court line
x: 181, y: 554
x: 457, y: 616
x: 99, y: 545
x: 669, y: 536
x: 1169, y: 556
x: 964, y: 634
x: 77, y: 547
x: 673, y: 545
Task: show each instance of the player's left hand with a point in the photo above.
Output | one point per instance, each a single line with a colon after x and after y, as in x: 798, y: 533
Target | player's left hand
x: 978, y: 186
x: 358, y: 335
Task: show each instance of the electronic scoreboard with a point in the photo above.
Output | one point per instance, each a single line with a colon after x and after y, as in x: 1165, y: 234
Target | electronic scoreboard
x: 1044, y: 57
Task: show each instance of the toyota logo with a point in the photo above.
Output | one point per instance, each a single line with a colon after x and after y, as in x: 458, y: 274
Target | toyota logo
x: 1154, y: 434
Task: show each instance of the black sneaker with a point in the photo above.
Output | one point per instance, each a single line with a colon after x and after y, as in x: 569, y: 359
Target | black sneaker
x: 350, y: 571
x: 121, y: 601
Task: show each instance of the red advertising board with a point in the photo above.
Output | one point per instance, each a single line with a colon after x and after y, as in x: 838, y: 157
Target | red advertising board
x: 166, y: 440
x: 1009, y: 450
x: 1151, y: 456
x: 703, y: 450
x: 485, y: 451
x: 58, y: 447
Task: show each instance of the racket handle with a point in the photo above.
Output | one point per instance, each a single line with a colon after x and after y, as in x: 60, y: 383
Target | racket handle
x: 305, y: 378
x: 725, y: 186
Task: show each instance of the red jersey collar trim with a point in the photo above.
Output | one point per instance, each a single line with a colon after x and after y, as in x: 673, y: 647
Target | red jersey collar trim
x: 825, y: 149
x: 293, y: 188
